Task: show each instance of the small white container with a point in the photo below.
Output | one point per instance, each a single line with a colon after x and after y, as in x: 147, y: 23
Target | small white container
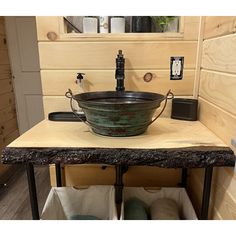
x: 90, y: 25
x: 117, y: 25
x: 103, y: 24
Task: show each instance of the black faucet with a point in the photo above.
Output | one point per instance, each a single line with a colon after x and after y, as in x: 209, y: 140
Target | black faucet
x: 120, y: 71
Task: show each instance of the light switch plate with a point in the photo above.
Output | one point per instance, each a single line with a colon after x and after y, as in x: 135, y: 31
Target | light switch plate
x: 176, y: 68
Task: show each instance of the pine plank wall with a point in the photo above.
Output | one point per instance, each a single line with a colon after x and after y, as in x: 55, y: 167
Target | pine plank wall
x: 8, y: 121
x: 62, y: 56
x: 210, y: 69
x: 217, y: 97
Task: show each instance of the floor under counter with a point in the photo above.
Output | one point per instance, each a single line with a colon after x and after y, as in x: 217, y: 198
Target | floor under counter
x: 14, y: 198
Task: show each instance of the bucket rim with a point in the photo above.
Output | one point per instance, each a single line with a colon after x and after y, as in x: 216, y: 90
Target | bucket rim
x: 90, y: 97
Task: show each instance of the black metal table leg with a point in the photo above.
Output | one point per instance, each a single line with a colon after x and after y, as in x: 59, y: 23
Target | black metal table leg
x: 119, y: 184
x: 206, y: 192
x: 184, y: 177
x: 32, y: 191
x: 58, y: 174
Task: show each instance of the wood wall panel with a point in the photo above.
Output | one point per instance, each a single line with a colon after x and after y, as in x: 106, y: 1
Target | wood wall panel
x: 216, y: 26
x: 5, y: 72
x: 218, y: 110
x: 3, y: 44
x: 101, y: 55
x: 222, y: 198
x: 82, y: 175
x: 8, y: 122
x: 99, y: 80
x: 6, y: 86
x: 219, y: 54
x: 8, y: 126
x: 2, y: 26
x: 191, y: 27
x: 215, y: 85
x: 151, y: 176
x: 7, y: 113
x: 47, y: 24
x: 10, y: 137
x: 217, y: 120
x: 6, y: 100
x: 4, y: 59
x: 195, y: 188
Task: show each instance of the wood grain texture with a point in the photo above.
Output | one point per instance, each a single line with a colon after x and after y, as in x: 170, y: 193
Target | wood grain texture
x: 218, y: 121
x: 5, y: 72
x: 100, y: 80
x: 164, y: 133
x: 3, y: 171
x: 219, y: 89
x: 83, y: 175
x: 3, y: 44
x: 10, y: 137
x: 101, y: 55
x: 191, y: 27
x: 221, y: 198
x: 47, y: 24
x: 198, y: 58
x: 217, y: 106
x: 14, y: 199
x: 219, y: 54
x: 7, y: 113
x: 8, y: 127
x: 151, y: 176
x: 6, y: 100
x: 195, y: 193
x: 5, y: 86
x: 4, y: 59
x: 8, y: 122
x: 2, y: 26
x: 216, y: 26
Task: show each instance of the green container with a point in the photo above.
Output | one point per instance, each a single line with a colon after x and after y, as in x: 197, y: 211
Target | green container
x: 119, y: 114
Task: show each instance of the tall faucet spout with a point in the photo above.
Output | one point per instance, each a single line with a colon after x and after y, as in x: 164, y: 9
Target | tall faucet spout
x: 120, y: 71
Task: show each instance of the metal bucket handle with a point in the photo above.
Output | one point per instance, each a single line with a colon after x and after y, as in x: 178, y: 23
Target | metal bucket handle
x: 168, y: 96
x: 70, y: 95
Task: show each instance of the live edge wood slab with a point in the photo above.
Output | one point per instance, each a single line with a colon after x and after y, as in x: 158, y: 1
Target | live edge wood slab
x: 167, y: 143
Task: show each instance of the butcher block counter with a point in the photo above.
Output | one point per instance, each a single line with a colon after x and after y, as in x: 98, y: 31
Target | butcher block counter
x: 167, y: 143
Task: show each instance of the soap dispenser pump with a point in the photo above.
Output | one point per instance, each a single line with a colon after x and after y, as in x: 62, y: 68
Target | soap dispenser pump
x: 79, y: 81
x: 79, y: 78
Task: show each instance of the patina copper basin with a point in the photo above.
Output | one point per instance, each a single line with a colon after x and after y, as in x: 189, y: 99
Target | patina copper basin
x: 119, y: 113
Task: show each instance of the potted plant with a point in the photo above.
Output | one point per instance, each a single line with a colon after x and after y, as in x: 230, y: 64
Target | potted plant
x: 165, y: 23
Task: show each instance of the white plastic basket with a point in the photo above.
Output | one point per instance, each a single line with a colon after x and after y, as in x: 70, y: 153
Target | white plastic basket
x: 148, y: 196
x: 64, y: 202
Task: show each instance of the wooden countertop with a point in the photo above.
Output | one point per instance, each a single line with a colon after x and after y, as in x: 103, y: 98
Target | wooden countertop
x: 166, y: 143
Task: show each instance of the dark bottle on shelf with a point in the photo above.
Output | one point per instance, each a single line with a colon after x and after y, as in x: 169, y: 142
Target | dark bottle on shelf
x: 141, y: 24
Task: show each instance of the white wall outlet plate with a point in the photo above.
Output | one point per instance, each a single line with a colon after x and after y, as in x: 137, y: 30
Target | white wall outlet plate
x: 176, y: 68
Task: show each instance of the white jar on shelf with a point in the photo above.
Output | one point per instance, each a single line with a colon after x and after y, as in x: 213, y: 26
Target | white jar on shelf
x: 117, y: 24
x: 90, y: 24
x: 103, y: 23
